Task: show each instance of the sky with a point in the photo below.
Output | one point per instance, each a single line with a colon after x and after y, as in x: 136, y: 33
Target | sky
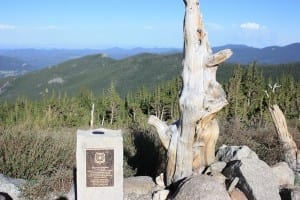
x: 144, y: 23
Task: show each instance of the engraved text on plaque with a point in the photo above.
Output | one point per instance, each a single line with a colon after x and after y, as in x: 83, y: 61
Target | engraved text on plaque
x: 99, y: 168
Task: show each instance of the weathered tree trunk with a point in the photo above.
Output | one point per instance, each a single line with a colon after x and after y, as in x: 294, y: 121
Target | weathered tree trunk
x: 190, y: 142
x: 290, y: 149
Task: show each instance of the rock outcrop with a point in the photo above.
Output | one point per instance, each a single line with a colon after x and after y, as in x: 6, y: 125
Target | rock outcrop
x: 247, y: 177
x: 256, y: 179
x: 237, y: 174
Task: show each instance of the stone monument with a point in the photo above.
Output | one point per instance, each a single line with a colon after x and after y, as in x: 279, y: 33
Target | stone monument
x: 99, y: 161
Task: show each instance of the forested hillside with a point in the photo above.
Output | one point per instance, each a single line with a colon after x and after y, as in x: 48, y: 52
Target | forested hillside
x: 95, y: 72
x: 246, y: 92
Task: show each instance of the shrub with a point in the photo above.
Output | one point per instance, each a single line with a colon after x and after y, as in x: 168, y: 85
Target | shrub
x: 41, y: 186
x: 263, y: 141
x: 37, y: 157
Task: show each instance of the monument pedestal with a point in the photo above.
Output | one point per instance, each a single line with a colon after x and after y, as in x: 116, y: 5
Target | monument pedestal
x: 99, y: 161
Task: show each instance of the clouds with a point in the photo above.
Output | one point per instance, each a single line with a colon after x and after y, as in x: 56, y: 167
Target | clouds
x: 4, y: 27
x: 251, y: 26
x: 7, y: 27
x: 251, y: 33
x: 255, y: 34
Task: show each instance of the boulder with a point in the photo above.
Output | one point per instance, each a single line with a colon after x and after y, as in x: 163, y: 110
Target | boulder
x: 10, y: 187
x: 229, y: 153
x: 284, y: 174
x: 202, y: 187
x: 256, y: 179
x: 139, y: 188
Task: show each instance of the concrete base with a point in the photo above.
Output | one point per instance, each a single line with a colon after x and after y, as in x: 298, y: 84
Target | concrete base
x: 99, y: 160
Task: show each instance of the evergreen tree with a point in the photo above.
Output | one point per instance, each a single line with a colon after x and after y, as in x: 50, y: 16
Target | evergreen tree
x: 235, y: 96
x: 253, y: 87
x: 287, y: 96
x: 113, y: 104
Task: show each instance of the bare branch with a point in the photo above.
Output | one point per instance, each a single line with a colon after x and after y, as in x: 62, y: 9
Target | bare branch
x: 267, y: 93
x: 275, y: 86
x: 162, y: 130
x: 218, y: 57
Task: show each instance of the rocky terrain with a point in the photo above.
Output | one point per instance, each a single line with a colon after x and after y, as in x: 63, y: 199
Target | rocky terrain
x: 236, y: 174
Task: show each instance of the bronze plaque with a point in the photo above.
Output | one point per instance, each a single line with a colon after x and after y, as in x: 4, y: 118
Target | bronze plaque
x: 99, y: 168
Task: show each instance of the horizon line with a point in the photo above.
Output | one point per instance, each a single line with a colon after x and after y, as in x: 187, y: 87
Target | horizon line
x: 129, y: 48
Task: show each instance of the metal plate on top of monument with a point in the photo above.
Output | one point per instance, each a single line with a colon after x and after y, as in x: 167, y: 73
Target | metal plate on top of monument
x: 99, y: 168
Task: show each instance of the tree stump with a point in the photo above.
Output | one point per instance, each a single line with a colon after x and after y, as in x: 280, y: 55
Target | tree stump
x: 190, y: 142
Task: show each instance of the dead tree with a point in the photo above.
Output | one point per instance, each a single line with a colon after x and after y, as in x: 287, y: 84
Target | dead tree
x: 190, y: 143
x: 290, y: 150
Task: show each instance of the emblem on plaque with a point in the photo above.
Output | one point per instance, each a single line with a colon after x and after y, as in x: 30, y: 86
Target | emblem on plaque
x: 99, y: 158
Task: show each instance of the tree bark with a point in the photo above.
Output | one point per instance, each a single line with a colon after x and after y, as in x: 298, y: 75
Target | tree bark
x: 190, y: 142
x: 290, y: 149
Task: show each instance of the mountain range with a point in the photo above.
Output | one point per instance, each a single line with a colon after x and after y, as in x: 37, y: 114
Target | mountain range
x: 14, y: 60
x: 96, y: 72
x: 19, y: 61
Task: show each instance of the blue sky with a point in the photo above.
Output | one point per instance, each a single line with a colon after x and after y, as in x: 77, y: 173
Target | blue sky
x: 145, y: 23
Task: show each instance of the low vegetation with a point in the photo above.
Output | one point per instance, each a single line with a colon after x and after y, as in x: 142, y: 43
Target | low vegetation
x: 45, y: 158
x: 37, y: 137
